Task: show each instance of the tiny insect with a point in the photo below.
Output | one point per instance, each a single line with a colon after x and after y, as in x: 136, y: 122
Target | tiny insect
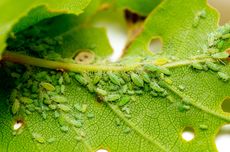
x: 66, y: 78
x: 26, y: 100
x: 225, y: 36
x: 221, y: 55
x: 59, y: 99
x: 101, y: 92
x: 77, y: 123
x: 51, y: 140
x: 125, y: 76
x: 91, y: 87
x: 196, y: 21
x: 53, y: 107
x: 150, y: 67
x: 164, y: 70
x: 203, y: 127
x: 90, y: 115
x: 81, y: 79
x: 64, y: 108
x: 114, y: 78
x: 137, y: 80
x: 64, y: 128
x: 112, y: 97
x: 47, y: 86
x: 61, y: 80
x: 15, y: 106
x: 127, y: 130
x: 117, y: 122
x: 145, y: 77
x: 62, y: 89
x: 197, y: 66
x: 97, y: 78
x: 38, y: 137
x: 156, y: 87
x: 213, y: 66
x: 223, y: 76
x: 153, y: 93
x: 123, y: 101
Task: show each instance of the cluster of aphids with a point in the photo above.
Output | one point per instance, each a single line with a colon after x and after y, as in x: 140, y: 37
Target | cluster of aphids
x: 36, y: 42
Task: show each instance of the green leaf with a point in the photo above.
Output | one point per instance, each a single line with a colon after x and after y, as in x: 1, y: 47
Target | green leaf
x: 142, y: 103
x: 45, y: 9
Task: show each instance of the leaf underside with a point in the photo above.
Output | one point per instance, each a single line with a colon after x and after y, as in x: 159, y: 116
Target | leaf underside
x: 63, y: 107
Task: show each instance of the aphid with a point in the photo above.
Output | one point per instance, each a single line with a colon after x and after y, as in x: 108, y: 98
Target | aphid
x: 91, y: 87
x: 64, y: 128
x: 26, y: 100
x: 221, y: 55
x: 82, y: 108
x: 117, y: 121
x: 145, y: 77
x: 139, y: 92
x: 181, y: 87
x: 123, y: 101
x: 13, y: 95
x: 64, y: 108
x: 59, y: 99
x: 125, y: 76
x: 62, y: 89
x: 156, y: 87
x: 203, y: 127
x: 44, y: 115
x: 130, y: 92
x: 161, y: 61
x: 154, y: 93
x: 47, y: 101
x: 124, y: 88
x: 127, y: 130
x: 51, y: 140
x: 126, y: 109
x: 202, y: 14
x: 78, y: 138
x: 38, y: 137
x: 101, y: 92
x: 77, y: 123
x: 150, y: 67
x: 197, y: 66
x: 112, y: 97
x: 220, y: 44
x: 56, y: 114
x: 225, y: 36
x: 114, y: 78
x: 170, y: 98
x: 213, y: 66
x: 66, y: 78
x: 15, y: 106
x: 137, y: 80
x: 81, y: 79
x: 163, y: 94
x: 90, y: 115
x: 60, y: 81
x: 15, y: 75
x: 223, y: 76
x: 128, y: 116
x: 47, y: 86
x: 97, y: 78
x: 169, y: 81
x: 196, y: 21
x: 164, y: 70
x: 183, y: 108
x: 52, y: 106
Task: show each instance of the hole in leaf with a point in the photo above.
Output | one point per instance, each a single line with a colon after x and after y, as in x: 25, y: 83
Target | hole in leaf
x: 85, y: 57
x: 226, y: 105
x: 223, y: 139
x: 188, y: 133
x: 18, y: 124
x: 102, y: 150
x: 155, y: 46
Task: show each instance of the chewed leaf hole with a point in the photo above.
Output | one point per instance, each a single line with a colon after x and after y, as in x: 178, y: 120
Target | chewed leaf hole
x: 17, y: 125
x: 102, y: 150
x: 226, y: 105
x: 155, y: 46
x: 188, y: 134
x: 223, y: 139
x: 85, y: 57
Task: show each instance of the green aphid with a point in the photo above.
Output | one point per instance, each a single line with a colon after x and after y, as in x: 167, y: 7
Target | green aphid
x: 125, y: 76
x: 91, y: 87
x: 137, y: 80
x: 47, y: 86
x: 150, y: 67
x: 44, y: 115
x: 153, y: 93
x: 81, y: 79
x: 164, y: 70
x: 123, y: 101
x: 61, y: 80
x: 196, y: 21
x: 84, y: 108
x: 112, y: 97
x: 47, y: 101
x: 78, y: 138
x: 52, y: 106
x: 90, y: 116
x: 130, y: 92
x: 26, y: 100
x: 156, y: 87
x: 171, y: 99
x: 114, y: 78
x: 59, y: 99
x: 66, y: 78
x: 127, y: 130
x: 145, y: 77
x: 213, y: 66
x: 64, y: 128
x: 56, y: 114
x: 31, y: 107
x: 62, y: 89
x: 13, y: 95
x: 181, y: 87
x: 117, y: 122
x: 128, y: 116
x: 16, y: 106
x: 225, y: 36
x: 203, y: 127
x: 77, y: 123
x: 197, y: 66
x: 64, y: 108
x: 38, y: 137
x: 223, y: 76
x: 124, y: 89
x: 221, y: 55
x: 202, y: 14
x: 183, y: 108
x: 139, y: 92
x: 28, y: 112
x: 169, y: 81
x: 15, y: 75
x: 101, y: 92
x: 220, y: 44
x: 34, y: 87
x: 51, y: 140
x: 163, y: 94
x: 97, y: 77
